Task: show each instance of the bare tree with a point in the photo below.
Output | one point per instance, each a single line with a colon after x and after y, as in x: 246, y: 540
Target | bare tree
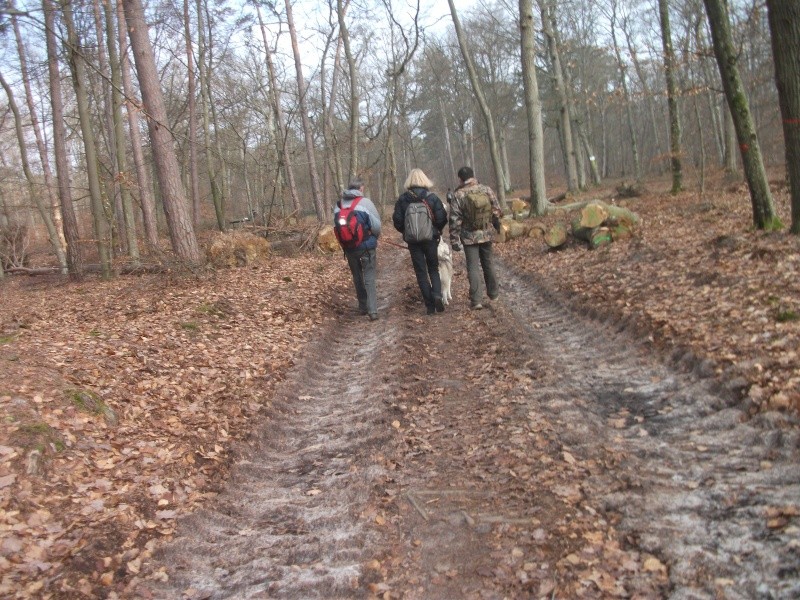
x: 49, y: 183
x: 179, y: 221
x: 623, y: 80
x: 487, y: 113
x: 565, y: 118
x: 146, y: 200
x: 533, y: 109
x: 282, y: 139
x: 44, y: 213
x: 784, y: 22
x: 71, y: 232
x: 352, y: 69
x: 118, y: 134
x: 672, y: 97
x: 191, y: 92
x: 319, y: 206
x: 764, y: 216
x: 102, y: 231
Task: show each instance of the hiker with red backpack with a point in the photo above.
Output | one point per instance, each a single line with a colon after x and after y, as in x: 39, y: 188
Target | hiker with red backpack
x: 357, y: 226
x: 475, y: 215
x: 420, y: 216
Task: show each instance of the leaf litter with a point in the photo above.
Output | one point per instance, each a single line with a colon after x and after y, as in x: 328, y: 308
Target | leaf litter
x: 546, y: 497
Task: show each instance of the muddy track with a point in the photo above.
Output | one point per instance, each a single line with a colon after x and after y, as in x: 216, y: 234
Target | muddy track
x: 521, y: 451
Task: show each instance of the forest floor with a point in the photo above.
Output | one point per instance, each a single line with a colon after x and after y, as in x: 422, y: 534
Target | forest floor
x: 621, y: 423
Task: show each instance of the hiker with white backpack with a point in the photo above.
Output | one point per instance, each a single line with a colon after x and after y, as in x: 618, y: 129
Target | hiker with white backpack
x: 420, y: 216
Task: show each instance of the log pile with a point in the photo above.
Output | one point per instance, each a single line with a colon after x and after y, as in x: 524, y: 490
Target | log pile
x: 598, y: 224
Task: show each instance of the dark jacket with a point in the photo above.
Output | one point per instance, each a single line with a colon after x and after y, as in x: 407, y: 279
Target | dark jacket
x: 416, y: 195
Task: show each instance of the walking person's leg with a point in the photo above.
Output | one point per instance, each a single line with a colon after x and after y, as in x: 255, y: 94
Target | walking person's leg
x: 489, y: 276
x: 369, y: 270
x: 354, y: 262
x: 472, y: 255
x: 432, y: 265
x: 419, y: 262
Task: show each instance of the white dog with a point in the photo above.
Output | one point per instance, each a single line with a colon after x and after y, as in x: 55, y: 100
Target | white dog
x: 445, y: 269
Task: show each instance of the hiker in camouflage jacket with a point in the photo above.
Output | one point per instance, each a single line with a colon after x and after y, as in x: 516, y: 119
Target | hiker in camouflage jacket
x: 477, y: 244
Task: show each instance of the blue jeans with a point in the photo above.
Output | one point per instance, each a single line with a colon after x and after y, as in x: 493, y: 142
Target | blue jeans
x: 479, y: 259
x: 425, y: 260
x: 363, y: 265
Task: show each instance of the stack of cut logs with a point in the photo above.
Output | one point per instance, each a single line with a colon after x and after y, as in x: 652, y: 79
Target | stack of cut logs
x: 598, y: 224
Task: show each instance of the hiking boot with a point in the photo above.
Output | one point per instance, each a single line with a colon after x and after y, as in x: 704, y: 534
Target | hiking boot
x: 373, y: 317
x: 439, y: 304
x: 494, y: 298
x: 431, y: 310
x: 477, y: 306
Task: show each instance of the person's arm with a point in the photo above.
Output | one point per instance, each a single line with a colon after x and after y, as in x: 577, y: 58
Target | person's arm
x: 456, y: 220
x: 398, y: 217
x: 439, y: 212
x: 374, y: 217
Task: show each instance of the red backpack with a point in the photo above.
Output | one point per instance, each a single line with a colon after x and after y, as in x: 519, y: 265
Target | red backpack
x: 348, y: 228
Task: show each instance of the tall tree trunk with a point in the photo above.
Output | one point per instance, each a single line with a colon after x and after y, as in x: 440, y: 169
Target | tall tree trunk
x: 122, y: 176
x: 191, y: 90
x: 353, y: 72
x: 109, y: 185
x: 49, y: 183
x: 176, y: 209
x: 565, y: 119
x: 672, y: 98
x: 76, y: 55
x: 487, y: 113
x: 44, y: 213
x: 132, y: 109
x: 282, y: 140
x: 623, y: 79
x: 764, y: 216
x: 784, y: 23
x: 448, y: 148
x: 70, y: 221
x: 533, y: 109
x: 307, y: 133
x: 648, y: 94
x: 731, y: 164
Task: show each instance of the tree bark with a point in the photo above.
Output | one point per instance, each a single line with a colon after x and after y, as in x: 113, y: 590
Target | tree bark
x: 353, y: 72
x: 76, y: 60
x: 533, y: 109
x: 784, y: 23
x: 283, y: 139
x: 191, y: 90
x: 623, y: 79
x: 764, y: 216
x: 565, y: 118
x: 132, y: 109
x: 176, y: 210
x: 49, y: 183
x: 70, y: 221
x: 122, y: 177
x: 487, y: 113
x: 672, y: 98
x: 307, y: 133
x: 44, y: 213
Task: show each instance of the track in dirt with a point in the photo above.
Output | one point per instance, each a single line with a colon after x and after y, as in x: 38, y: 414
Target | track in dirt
x: 474, y: 454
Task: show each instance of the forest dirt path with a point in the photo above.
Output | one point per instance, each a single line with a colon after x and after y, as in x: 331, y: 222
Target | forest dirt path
x: 525, y: 450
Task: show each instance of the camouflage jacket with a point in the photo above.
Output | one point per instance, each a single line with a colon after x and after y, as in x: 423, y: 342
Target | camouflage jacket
x: 459, y: 234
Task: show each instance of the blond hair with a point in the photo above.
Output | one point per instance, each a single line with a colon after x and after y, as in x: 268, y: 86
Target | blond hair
x: 417, y: 178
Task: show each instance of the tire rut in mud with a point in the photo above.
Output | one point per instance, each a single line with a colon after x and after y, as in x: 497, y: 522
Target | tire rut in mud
x: 698, y: 485
x: 294, y: 520
x: 523, y: 451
